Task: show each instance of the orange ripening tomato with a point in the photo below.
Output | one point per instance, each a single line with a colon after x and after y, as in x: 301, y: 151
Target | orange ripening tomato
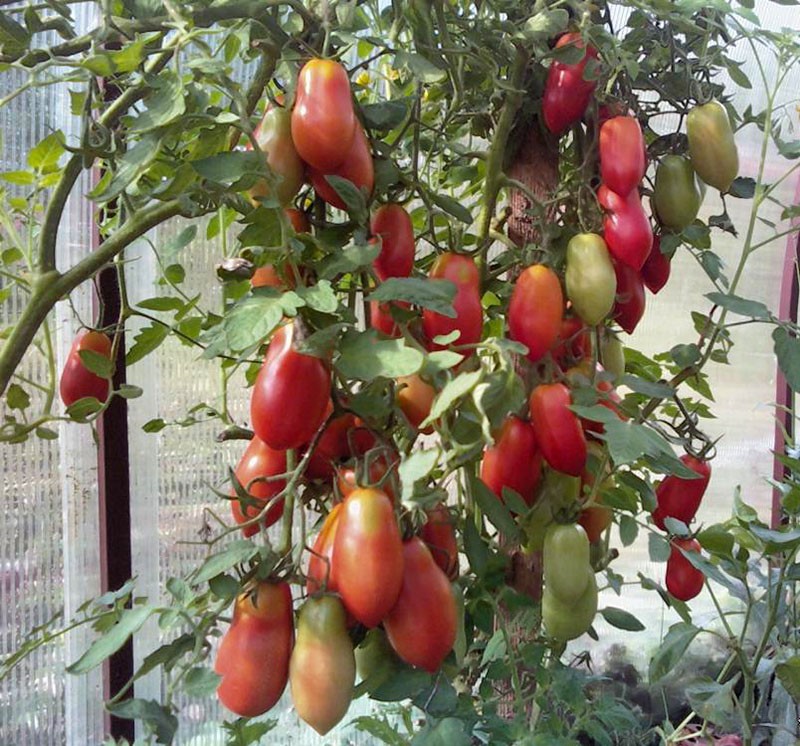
x: 422, y: 624
x: 595, y: 520
x: 266, y: 276
x: 566, y: 92
x: 535, y: 310
x: 393, y: 224
x: 298, y: 220
x: 684, y: 580
x: 367, y: 567
x: 253, y: 657
x: 415, y: 398
x: 514, y: 461
x: 463, y: 273
x: 630, y: 299
x: 290, y: 395
x: 318, y: 575
x: 323, y: 119
x: 259, y: 461
x: 357, y: 167
x: 557, y: 428
x: 622, y: 154
x: 626, y: 228
x: 77, y: 381
x: 439, y: 536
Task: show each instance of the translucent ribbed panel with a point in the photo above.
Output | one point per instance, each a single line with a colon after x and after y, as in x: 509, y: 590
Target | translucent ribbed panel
x: 48, y: 539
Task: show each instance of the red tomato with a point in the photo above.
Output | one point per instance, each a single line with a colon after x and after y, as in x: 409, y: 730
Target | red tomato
x: 630, y: 300
x: 607, y: 395
x: 595, y: 520
x: 77, y: 381
x: 440, y: 537
x: 318, y: 575
x: 684, y: 580
x: 333, y: 446
x: 367, y: 566
x: 514, y: 461
x: 298, y: 220
x: 357, y: 167
x: 323, y: 120
x: 461, y: 271
x: 558, y: 430
x: 566, y: 93
x: 259, y: 461
x: 536, y: 310
x: 253, y: 657
x: 381, y: 319
x: 622, y: 155
x: 393, y: 224
x: 680, y: 498
x: 656, y: 269
x: 626, y: 228
x: 290, y: 395
x: 415, y: 398
x: 573, y: 344
x: 422, y: 624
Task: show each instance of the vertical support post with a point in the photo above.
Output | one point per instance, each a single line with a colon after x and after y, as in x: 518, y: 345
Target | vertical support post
x: 784, y: 397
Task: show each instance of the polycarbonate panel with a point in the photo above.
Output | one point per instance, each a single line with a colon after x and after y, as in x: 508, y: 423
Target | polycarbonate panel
x: 49, y: 554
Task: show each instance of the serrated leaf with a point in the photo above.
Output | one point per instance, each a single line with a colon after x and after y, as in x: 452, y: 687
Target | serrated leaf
x: 45, y: 155
x: 451, y: 393
x: 228, y: 169
x: 17, y: 397
x: 96, y: 363
x: 436, y: 295
x: 234, y: 554
x: 130, y: 621
x: 146, y: 341
x: 385, y: 115
x: 319, y: 297
x: 789, y: 674
x: 200, y: 682
x: 621, y: 619
x: 423, y: 69
x: 545, y: 24
x: 349, y: 259
x: 741, y: 306
x: 365, y: 356
x: 158, y: 717
x: 21, y: 178
x: 163, y: 104
x: 492, y: 508
x: 418, y: 465
x: 128, y: 391
x: 787, y: 350
x: 453, y: 207
x: 130, y: 166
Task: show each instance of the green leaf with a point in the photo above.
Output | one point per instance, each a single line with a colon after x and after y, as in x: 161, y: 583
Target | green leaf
x: 231, y: 168
x: 14, y: 38
x: 787, y: 350
x: 98, y: 364
x: 17, y: 397
x: 45, y: 156
x: 365, y: 356
x: 243, y: 731
x: 741, y: 306
x: 350, y: 194
x: 84, y: 408
x: 685, y: 355
x: 319, y: 297
x: 717, y: 540
x: 235, y: 553
x: 415, y: 467
x: 130, y: 166
x: 495, y: 649
x: 449, y: 731
x: 350, y: 259
x: 743, y: 187
x: 658, y: 548
x: 455, y: 389
x: 789, y: 674
x: 545, y: 24
x: 672, y: 650
x: 129, y: 622
x: 22, y: 178
x: 436, y: 295
x: 422, y: 69
x: 157, y: 717
x: 162, y: 303
x: 169, y: 251
x: 146, y: 341
x: 386, y: 115
x: 200, y: 682
x: 474, y: 547
x: 712, y: 701
x: 628, y: 530
x: 163, y: 104
x: 453, y: 207
x: 621, y: 619
x: 492, y: 508
x: 629, y: 441
x: 380, y: 728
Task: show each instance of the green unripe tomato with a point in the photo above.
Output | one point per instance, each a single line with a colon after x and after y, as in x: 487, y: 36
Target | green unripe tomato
x: 613, y: 355
x: 677, y: 197
x: 565, y: 621
x: 590, y: 278
x: 565, y: 559
x: 712, y: 146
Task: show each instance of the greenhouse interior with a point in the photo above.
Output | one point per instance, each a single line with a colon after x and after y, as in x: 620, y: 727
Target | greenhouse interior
x: 384, y: 372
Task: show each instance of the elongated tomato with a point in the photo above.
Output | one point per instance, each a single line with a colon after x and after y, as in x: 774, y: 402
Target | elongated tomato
x: 680, y: 498
x: 439, y: 536
x: 622, y: 154
x: 259, y: 461
x: 323, y: 118
x: 393, y: 224
x: 514, y: 461
x: 77, y: 381
x: 367, y: 566
x: 626, y: 228
x: 558, y: 429
x: 290, y: 395
x: 318, y: 575
x: 535, y: 310
x: 357, y: 168
x: 422, y: 624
